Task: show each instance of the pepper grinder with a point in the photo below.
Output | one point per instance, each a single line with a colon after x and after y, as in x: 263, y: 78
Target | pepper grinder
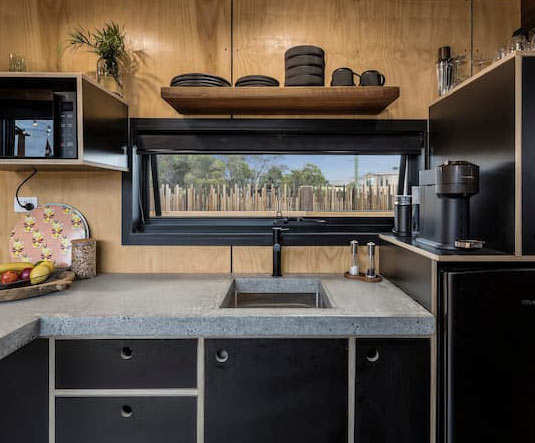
x: 354, y: 264
x: 370, y: 273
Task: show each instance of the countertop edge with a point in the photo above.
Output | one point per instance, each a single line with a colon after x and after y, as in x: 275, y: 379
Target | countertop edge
x: 237, y: 326
x: 19, y: 337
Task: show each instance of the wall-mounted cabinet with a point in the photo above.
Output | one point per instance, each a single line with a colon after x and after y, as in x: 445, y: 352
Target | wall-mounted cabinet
x: 60, y: 121
x: 488, y: 120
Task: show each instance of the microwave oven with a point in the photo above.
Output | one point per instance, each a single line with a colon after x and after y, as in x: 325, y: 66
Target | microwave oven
x: 53, y: 119
x: 38, y: 123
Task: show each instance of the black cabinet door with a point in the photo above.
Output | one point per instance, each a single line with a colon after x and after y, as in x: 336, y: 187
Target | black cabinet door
x: 392, y: 391
x: 24, y: 395
x: 276, y: 390
x: 490, y: 361
x: 126, y: 420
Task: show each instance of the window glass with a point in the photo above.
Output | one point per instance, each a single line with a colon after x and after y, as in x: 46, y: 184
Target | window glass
x: 260, y: 185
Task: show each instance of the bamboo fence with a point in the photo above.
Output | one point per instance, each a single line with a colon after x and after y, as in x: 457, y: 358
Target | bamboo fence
x: 346, y: 198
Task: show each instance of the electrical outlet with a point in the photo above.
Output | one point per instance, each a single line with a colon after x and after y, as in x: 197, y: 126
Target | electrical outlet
x: 23, y: 201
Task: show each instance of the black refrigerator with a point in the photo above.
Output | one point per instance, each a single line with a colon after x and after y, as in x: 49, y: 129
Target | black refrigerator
x: 487, y: 355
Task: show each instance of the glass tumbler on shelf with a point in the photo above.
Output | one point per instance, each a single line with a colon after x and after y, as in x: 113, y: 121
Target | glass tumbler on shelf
x: 531, y: 42
x: 17, y: 63
x: 353, y: 258
x: 519, y: 43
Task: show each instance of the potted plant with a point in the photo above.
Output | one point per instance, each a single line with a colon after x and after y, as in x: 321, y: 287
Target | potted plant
x: 109, y: 44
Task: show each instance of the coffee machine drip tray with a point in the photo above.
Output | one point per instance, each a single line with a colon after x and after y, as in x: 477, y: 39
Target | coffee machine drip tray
x: 469, y: 244
x: 433, y: 244
x: 458, y: 245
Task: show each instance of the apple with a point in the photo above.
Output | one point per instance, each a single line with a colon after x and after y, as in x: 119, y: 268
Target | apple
x: 9, y: 277
x: 25, y: 274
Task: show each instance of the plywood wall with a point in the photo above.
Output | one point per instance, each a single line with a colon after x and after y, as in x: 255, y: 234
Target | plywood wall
x: 397, y: 37
x: 298, y: 259
x: 165, y: 37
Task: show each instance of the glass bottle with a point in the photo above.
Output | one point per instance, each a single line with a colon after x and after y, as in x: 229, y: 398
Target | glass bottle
x: 444, y: 70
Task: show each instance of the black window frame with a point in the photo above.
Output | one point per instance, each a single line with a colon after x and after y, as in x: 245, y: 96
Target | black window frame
x: 249, y: 136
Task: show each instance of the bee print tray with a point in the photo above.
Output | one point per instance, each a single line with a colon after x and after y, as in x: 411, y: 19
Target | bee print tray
x: 46, y: 234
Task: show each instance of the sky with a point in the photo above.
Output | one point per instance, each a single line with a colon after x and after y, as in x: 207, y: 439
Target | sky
x: 340, y: 168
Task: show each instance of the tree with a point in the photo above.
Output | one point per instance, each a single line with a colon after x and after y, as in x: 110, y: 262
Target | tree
x: 310, y: 175
x: 205, y: 170
x: 261, y: 164
x: 172, y: 169
x: 273, y: 177
x: 238, y: 171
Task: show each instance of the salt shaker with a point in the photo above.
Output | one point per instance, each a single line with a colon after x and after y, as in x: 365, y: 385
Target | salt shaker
x: 84, y: 257
x: 353, y: 264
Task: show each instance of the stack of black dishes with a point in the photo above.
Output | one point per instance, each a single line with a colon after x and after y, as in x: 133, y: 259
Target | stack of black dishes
x: 195, y: 79
x: 304, y: 66
x: 256, y: 80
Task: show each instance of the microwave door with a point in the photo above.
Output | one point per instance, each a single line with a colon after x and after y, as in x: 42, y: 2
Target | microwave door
x: 27, y: 122
x: 34, y: 138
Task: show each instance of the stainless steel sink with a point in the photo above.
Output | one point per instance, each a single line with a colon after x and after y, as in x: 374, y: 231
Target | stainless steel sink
x: 267, y: 292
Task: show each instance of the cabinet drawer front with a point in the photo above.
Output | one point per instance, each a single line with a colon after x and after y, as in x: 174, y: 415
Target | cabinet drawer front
x: 126, y: 419
x: 126, y: 364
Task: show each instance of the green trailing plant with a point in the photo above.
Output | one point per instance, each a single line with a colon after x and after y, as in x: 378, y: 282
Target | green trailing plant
x: 108, y: 43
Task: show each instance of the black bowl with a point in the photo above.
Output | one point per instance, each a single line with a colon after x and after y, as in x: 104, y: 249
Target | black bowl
x: 305, y: 70
x: 304, y: 60
x: 304, y: 50
x: 305, y: 80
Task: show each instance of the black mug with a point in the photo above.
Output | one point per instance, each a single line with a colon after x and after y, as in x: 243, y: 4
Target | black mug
x: 343, y: 77
x: 371, y: 78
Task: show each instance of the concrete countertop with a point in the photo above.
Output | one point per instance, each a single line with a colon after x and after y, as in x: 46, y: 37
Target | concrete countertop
x: 178, y: 305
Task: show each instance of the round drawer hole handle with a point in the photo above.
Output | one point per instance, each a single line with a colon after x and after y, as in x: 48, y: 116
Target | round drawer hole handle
x: 372, y: 355
x: 126, y: 411
x: 221, y: 356
x: 126, y: 353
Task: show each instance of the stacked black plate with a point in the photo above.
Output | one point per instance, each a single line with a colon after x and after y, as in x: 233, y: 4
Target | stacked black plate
x: 304, y: 66
x: 195, y: 79
x: 256, y: 80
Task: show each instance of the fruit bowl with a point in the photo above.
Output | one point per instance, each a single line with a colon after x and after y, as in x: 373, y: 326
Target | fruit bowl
x: 20, y: 274
x: 17, y: 284
x: 59, y: 280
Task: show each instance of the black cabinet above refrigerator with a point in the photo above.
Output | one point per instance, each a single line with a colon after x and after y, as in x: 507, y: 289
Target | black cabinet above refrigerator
x: 488, y: 121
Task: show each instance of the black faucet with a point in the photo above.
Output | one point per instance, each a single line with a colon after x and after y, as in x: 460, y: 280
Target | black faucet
x: 277, y: 240
x: 277, y: 250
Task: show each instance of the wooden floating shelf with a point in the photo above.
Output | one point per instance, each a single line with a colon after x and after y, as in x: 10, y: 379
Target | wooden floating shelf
x: 363, y: 100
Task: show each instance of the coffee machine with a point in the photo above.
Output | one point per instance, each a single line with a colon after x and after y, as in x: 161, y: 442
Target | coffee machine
x: 445, y: 194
